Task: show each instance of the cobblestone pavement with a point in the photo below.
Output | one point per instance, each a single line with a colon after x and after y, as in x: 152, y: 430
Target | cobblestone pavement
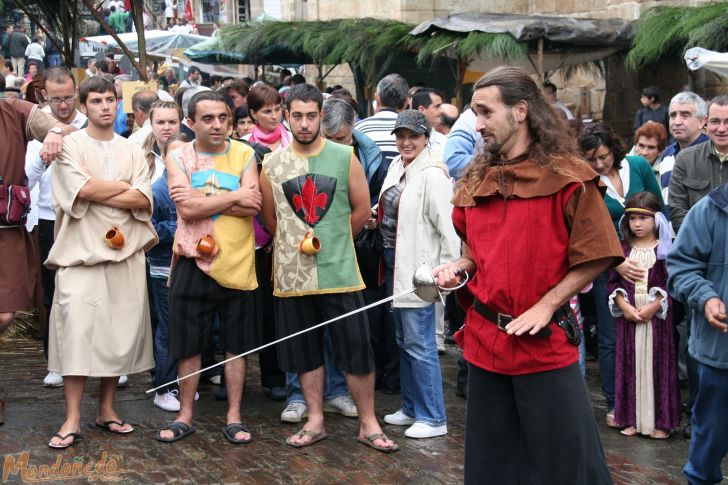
x: 34, y: 413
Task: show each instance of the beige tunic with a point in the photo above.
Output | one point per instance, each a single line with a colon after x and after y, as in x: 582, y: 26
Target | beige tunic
x: 100, y: 323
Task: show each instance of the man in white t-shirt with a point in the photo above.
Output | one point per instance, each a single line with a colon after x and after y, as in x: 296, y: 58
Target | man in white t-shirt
x: 549, y: 92
x: 429, y: 101
x: 59, y: 87
x: 141, y: 103
x: 8, y: 73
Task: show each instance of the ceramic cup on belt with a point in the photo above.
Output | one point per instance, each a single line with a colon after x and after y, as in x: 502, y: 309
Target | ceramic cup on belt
x: 206, y: 245
x: 114, y: 238
x: 310, y: 244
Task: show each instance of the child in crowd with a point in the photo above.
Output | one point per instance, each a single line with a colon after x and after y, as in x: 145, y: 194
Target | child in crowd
x: 647, y: 397
x: 242, y: 123
x: 159, y: 258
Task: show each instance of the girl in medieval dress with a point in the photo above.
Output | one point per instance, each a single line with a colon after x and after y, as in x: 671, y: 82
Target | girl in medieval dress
x: 647, y: 397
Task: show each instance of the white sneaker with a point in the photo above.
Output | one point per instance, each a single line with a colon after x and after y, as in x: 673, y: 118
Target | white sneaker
x: 399, y: 419
x: 167, y: 401
x: 441, y: 347
x: 343, y: 405
x: 123, y: 381
x: 53, y: 379
x: 424, y: 430
x: 216, y: 379
x: 294, y: 412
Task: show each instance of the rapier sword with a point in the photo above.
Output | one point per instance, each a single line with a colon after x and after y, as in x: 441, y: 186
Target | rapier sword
x: 423, y: 284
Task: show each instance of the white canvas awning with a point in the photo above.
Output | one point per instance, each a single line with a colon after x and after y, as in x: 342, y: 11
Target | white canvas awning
x: 158, y: 42
x: 698, y: 57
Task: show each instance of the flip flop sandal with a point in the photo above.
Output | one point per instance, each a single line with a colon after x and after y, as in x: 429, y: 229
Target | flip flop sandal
x: 106, y: 426
x: 630, y: 431
x: 60, y: 446
x: 179, y: 429
x: 230, y: 430
x: 369, y: 441
x: 311, y: 434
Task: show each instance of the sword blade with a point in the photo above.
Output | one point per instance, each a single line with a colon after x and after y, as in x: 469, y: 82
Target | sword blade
x: 301, y: 332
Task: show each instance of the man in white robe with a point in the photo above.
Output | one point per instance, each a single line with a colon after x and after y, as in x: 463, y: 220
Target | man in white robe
x: 100, y: 321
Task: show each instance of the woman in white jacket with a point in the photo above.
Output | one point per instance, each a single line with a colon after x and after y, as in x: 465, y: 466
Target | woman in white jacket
x: 416, y: 227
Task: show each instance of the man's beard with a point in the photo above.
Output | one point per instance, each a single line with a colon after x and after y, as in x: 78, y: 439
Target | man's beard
x: 314, y: 137
x: 496, y: 148
x: 103, y: 124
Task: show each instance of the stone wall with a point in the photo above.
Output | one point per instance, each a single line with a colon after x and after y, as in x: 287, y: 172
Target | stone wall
x: 416, y: 11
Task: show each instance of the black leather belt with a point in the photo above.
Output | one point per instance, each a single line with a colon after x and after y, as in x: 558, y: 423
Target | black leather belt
x: 501, y: 320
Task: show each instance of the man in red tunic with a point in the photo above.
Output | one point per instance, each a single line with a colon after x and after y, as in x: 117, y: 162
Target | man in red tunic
x: 535, y: 231
x: 20, y: 121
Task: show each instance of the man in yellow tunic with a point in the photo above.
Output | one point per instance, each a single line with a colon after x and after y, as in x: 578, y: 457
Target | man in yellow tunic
x: 100, y: 321
x: 213, y: 182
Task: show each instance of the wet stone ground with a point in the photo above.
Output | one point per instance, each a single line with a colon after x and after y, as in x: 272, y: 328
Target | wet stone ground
x: 34, y: 413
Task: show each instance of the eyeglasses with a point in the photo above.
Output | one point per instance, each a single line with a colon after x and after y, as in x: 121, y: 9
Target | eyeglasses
x: 67, y: 100
x: 716, y: 122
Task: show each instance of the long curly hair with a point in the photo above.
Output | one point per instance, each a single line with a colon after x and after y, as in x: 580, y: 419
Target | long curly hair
x: 552, y: 146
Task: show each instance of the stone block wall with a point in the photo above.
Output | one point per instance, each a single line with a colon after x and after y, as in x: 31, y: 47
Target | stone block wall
x: 416, y: 11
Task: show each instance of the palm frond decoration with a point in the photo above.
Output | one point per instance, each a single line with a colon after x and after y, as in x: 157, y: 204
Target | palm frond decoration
x: 669, y: 31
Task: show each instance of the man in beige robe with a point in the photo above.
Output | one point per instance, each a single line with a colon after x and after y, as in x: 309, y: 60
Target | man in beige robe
x: 100, y: 322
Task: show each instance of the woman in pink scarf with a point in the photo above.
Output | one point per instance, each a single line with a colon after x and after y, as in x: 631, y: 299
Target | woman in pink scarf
x: 264, y: 104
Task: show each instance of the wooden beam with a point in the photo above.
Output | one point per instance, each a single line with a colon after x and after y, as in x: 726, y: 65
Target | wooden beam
x: 138, y: 12
x: 540, y: 62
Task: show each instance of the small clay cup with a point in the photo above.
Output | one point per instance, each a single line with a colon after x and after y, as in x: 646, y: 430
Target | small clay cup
x: 114, y: 238
x: 310, y: 244
x: 206, y: 245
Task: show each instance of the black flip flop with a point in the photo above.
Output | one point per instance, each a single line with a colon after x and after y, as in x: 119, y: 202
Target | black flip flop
x: 230, y: 430
x: 76, y: 437
x: 106, y: 425
x: 179, y: 429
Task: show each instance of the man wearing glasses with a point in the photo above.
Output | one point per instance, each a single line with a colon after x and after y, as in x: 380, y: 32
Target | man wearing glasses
x: 697, y: 278
x: 702, y: 167
x: 59, y: 87
x: 699, y: 168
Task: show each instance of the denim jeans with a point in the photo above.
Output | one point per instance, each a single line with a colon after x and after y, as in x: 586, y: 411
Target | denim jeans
x: 334, y: 386
x: 54, y: 60
x: 606, y: 337
x: 165, y: 367
x: 709, y: 442
x: 419, y: 366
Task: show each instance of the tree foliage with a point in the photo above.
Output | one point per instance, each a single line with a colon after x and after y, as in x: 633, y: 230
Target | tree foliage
x: 669, y: 31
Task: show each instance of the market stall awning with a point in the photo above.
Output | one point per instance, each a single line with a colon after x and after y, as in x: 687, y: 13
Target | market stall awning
x: 212, y: 51
x: 209, y: 51
x: 563, y: 42
x: 158, y: 42
x: 561, y: 30
x: 698, y: 57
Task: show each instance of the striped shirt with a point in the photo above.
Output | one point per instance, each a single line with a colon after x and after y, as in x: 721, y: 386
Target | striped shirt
x: 379, y: 128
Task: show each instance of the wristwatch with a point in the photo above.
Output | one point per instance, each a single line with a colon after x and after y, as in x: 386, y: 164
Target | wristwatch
x: 56, y: 130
